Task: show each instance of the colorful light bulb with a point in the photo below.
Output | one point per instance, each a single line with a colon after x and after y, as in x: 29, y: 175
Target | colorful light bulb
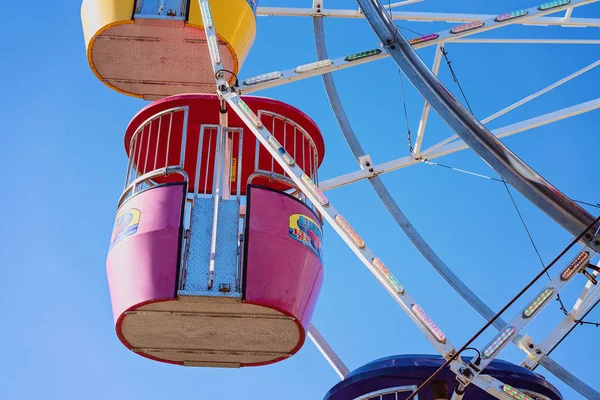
x: 514, y: 393
x: 498, y: 342
x: 575, y: 266
x: 350, y: 232
x: 271, y: 76
x: 250, y: 114
x: 467, y: 27
x: 313, y: 66
x: 279, y: 148
x: 386, y: 272
x: 364, y: 54
x: 553, y: 4
x: 429, y: 324
x: 315, y: 190
x: 421, y: 39
x: 511, y: 15
x: 538, y: 302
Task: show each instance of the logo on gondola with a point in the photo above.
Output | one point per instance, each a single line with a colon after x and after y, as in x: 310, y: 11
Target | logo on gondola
x: 308, y: 232
x: 126, y: 224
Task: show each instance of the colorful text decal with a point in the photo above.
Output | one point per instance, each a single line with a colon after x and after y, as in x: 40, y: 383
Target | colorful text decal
x: 308, y: 232
x: 126, y: 224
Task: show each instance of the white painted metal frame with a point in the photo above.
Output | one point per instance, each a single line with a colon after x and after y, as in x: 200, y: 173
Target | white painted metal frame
x: 424, y: 16
x: 487, y: 383
x: 368, y: 258
x: 459, y: 145
x: 518, y: 103
x: 290, y: 75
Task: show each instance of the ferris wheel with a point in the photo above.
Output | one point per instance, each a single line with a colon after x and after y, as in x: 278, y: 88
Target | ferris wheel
x: 216, y: 255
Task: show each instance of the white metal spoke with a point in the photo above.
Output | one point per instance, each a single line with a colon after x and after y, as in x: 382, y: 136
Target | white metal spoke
x: 423, y: 16
x: 521, y: 102
x: 425, y: 114
x: 459, y: 145
x: 328, y: 353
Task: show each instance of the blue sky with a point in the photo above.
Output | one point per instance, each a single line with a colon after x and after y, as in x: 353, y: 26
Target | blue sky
x: 64, y: 162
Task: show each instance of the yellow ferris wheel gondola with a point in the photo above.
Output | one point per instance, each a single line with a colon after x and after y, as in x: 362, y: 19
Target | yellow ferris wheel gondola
x: 157, y: 48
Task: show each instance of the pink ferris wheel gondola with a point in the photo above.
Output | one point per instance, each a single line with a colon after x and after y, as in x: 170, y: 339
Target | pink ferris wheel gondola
x: 216, y: 257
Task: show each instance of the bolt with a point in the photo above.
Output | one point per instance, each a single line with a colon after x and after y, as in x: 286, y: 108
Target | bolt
x: 531, y: 346
x: 392, y: 47
x: 223, y: 88
x: 171, y: 13
x: 538, y: 351
x: 371, y: 170
x: 368, y: 164
x: 597, y: 242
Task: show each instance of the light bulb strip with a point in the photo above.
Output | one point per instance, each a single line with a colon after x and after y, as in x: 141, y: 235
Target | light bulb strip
x: 271, y: 76
x: 250, y: 114
x: 279, y: 148
x: 511, y: 15
x: 467, y: 27
x: 207, y: 16
x: 350, y: 231
x: 315, y: 190
x: 363, y: 54
x: 313, y: 66
x: 423, y: 39
x: 553, y: 4
x: 214, y: 49
x: 383, y: 270
x: 498, y: 342
x: 428, y: 323
x: 576, y: 265
x: 538, y: 302
x: 514, y: 393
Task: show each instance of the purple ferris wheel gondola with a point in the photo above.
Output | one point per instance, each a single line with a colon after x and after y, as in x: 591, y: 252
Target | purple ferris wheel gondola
x: 396, y: 377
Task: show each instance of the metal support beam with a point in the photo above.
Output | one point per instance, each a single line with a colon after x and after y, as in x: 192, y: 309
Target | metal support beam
x: 331, y: 356
x: 459, y: 145
x: 522, y: 101
x: 568, y: 14
x: 402, y: 3
x: 425, y: 114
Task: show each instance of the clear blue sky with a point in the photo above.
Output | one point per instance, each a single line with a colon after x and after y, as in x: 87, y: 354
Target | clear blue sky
x: 64, y: 166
